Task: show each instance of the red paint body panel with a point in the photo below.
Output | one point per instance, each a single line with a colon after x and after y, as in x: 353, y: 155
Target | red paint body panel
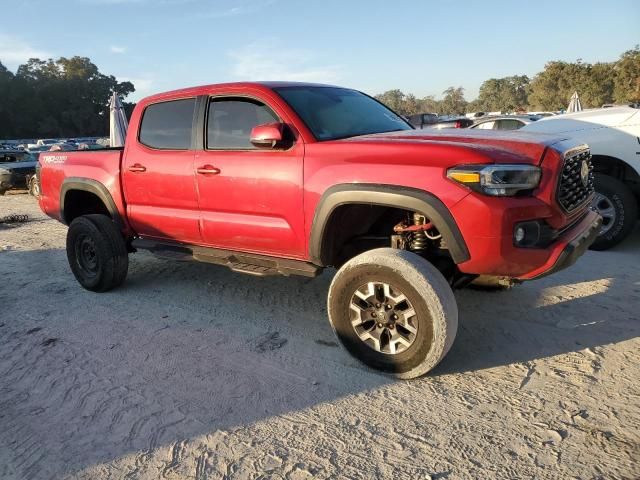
x: 255, y: 203
x: 264, y: 201
x: 102, y: 166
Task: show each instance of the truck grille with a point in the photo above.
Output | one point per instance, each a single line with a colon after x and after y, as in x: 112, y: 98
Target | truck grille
x: 574, y: 188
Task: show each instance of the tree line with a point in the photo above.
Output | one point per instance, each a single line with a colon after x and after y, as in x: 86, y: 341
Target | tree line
x: 68, y: 97
x: 550, y: 90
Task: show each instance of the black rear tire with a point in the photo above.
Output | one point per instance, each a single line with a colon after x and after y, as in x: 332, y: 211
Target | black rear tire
x: 618, y: 199
x: 97, y: 253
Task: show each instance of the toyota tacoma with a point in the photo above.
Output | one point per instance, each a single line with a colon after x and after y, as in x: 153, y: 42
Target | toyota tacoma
x: 291, y: 178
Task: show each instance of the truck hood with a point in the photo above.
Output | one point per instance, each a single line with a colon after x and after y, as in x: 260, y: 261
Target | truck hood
x: 500, y: 146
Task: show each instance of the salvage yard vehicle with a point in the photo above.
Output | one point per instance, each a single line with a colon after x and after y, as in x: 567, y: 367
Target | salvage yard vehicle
x: 437, y: 122
x: 290, y: 178
x: 16, y: 169
x: 613, y: 134
x: 504, y: 122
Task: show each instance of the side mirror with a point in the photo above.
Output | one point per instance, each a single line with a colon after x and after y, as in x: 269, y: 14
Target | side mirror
x: 268, y: 135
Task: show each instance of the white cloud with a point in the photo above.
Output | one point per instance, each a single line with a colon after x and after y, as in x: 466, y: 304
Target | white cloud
x: 116, y: 49
x: 267, y: 61
x: 15, y: 51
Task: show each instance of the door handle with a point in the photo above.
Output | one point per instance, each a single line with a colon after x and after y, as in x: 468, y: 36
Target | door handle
x: 136, y: 167
x: 208, y: 170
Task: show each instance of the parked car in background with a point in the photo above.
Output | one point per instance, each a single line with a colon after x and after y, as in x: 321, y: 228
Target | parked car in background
x: 431, y: 120
x: 33, y: 182
x: 46, y: 141
x: 37, y: 149
x: 505, y: 122
x: 63, y: 147
x: 420, y: 120
x: 86, y: 140
x: 614, y: 137
x: 16, y: 169
x: 543, y: 114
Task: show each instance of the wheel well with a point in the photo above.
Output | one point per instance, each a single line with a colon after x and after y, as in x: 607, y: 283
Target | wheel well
x: 618, y: 169
x: 81, y: 202
x: 353, y: 229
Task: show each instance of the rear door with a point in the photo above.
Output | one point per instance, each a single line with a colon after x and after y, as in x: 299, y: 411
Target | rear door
x: 250, y: 198
x: 158, y: 173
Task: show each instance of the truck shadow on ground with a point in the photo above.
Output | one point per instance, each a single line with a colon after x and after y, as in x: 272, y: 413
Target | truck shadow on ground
x: 185, y: 349
x: 588, y: 305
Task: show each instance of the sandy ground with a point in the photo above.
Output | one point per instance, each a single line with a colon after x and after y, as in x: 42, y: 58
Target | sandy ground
x: 192, y: 371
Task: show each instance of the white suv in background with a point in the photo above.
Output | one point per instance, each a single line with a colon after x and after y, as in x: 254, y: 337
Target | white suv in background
x: 614, y: 137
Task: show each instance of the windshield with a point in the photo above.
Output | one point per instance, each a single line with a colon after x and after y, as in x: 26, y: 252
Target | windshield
x: 332, y: 113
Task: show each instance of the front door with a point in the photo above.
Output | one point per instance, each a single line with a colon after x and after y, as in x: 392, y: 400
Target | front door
x: 158, y: 174
x: 250, y: 198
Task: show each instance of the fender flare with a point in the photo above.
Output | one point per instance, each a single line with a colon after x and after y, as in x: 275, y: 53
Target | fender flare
x: 94, y: 187
x: 391, y: 196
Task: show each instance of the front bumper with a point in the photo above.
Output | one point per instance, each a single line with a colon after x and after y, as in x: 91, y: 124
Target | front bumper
x: 479, y: 219
x: 566, y: 256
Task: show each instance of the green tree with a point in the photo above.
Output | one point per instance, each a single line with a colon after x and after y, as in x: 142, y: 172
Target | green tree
x: 57, y: 98
x: 552, y: 88
x: 453, y: 102
x: 411, y: 105
x: 430, y: 105
x: 506, y: 94
x: 6, y: 81
x: 394, y: 99
x: 400, y: 102
x: 627, y: 77
x: 597, y: 85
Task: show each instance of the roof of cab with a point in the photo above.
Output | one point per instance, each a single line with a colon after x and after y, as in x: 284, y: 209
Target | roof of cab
x: 203, y: 89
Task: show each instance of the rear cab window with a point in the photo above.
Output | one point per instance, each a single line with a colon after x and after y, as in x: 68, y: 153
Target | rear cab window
x: 168, y: 125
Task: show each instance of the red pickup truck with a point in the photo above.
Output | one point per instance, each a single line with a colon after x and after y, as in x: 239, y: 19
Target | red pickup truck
x: 290, y: 178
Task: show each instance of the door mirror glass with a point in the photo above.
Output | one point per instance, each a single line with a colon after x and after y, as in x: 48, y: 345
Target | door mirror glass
x: 268, y: 135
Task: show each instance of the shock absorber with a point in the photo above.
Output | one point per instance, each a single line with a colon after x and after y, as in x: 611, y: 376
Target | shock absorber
x: 419, y: 241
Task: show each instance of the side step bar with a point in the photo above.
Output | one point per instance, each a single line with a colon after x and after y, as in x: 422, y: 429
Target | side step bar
x: 260, y: 265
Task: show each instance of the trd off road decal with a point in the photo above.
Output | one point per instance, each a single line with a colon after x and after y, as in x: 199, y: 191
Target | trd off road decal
x: 53, y: 158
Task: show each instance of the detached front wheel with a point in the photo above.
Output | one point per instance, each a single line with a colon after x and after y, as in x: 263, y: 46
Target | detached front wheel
x: 394, y: 311
x: 97, y: 253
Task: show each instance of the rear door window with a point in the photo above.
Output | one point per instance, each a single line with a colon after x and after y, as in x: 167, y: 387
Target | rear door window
x: 168, y: 125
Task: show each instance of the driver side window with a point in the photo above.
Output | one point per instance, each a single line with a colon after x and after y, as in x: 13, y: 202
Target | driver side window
x: 230, y: 120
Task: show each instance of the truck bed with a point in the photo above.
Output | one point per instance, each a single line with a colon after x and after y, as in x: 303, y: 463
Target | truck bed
x: 102, y: 166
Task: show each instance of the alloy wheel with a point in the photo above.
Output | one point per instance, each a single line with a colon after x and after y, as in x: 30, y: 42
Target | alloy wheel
x: 383, y: 318
x: 604, y: 206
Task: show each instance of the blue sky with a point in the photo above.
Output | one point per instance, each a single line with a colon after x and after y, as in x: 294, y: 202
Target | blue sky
x: 421, y: 47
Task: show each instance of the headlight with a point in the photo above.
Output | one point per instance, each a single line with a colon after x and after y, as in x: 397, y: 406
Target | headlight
x: 496, y: 180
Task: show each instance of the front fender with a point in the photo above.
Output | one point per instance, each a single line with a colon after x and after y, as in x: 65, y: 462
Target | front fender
x: 394, y: 196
